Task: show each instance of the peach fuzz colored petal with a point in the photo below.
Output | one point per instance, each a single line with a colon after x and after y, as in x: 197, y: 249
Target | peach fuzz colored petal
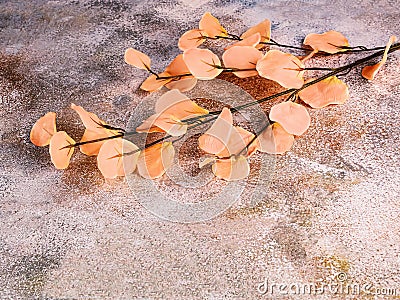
x: 331, y: 90
x: 369, y: 72
x: 201, y: 63
x: 137, y: 59
x: 293, y: 117
x: 216, y: 138
x: 206, y: 161
x: 303, y: 59
x: 185, y: 84
x: 93, y: 148
x: 251, y: 41
x: 179, y: 105
x: 148, y: 125
x: 163, y: 123
x: 211, y: 26
x: 170, y: 124
x: 191, y: 39
x: 275, y: 140
x: 282, y: 68
x: 90, y: 120
x: 111, y: 160
x: 60, y: 157
x: 155, y: 160
x: 43, y: 130
x: 171, y: 108
x: 243, y: 57
x: 234, y: 168
x: 247, y: 137
x: 238, y: 140
x: 177, y: 66
x: 263, y: 28
x: 152, y: 84
x: 93, y: 130
x: 168, y: 100
x: 329, y: 42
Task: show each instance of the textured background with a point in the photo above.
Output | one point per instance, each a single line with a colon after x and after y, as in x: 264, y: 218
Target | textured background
x: 332, y: 205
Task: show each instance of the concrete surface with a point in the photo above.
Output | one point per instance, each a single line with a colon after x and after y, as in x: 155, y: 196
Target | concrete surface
x: 331, y: 208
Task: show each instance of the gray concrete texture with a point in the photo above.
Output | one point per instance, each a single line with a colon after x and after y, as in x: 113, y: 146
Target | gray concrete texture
x: 331, y: 207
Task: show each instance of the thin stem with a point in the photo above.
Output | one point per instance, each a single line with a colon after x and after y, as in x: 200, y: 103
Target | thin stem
x: 234, y: 36
x: 275, y: 43
x: 230, y: 70
x: 272, y: 42
x: 231, y: 37
x: 360, y: 49
x: 316, y: 69
x: 94, y: 141
x: 224, y: 70
x: 177, y: 77
x: 121, y: 134
x: 151, y: 71
x: 109, y: 127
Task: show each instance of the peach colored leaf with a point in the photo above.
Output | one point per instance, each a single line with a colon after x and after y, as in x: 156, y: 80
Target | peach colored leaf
x: 329, y: 42
x: 43, y: 130
x: 148, y: 125
x: 331, y: 90
x: 185, y: 84
x: 61, y: 156
x: 90, y: 120
x: 251, y: 41
x: 171, y: 108
x: 137, y: 59
x: 243, y: 57
x: 191, y: 39
x: 177, y: 66
x: 275, y: 140
x: 247, y: 138
x: 155, y: 160
x: 303, y: 59
x: 94, y: 130
x: 211, y: 26
x: 152, y: 84
x: 263, y: 28
x: 111, y: 160
x: 234, y: 168
x: 216, y: 138
x: 206, y: 160
x: 369, y: 72
x: 168, y: 100
x: 293, y: 117
x: 93, y: 148
x: 170, y: 124
x: 281, y: 67
x: 179, y: 105
x: 202, y: 63
x: 238, y: 140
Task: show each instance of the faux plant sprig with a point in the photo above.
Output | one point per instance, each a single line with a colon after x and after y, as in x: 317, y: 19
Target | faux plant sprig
x: 227, y: 147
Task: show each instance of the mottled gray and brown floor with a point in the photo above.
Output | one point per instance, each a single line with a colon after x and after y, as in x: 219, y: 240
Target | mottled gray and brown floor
x: 332, y: 204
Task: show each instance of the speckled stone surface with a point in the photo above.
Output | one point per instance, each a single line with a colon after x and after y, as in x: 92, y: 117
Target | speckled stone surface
x: 331, y: 211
